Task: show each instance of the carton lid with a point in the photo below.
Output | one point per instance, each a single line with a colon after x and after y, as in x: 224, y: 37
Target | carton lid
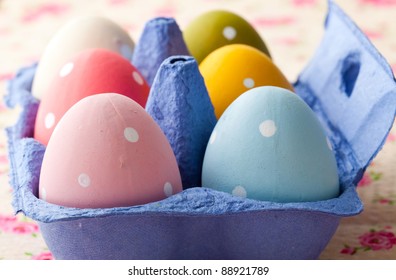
x: 352, y: 90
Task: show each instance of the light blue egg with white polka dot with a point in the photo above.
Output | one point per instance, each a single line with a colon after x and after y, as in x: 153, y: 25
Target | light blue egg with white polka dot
x: 269, y: 145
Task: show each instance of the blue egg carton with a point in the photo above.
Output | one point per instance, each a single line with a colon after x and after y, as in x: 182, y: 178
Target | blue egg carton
x: 349, y: 86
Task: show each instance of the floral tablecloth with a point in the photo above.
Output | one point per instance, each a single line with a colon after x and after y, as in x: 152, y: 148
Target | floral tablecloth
x: 292, y: 30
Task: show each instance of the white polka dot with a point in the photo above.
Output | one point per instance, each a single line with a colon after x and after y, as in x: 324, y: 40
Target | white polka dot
x: 229, y: 32
x: 329, y: 144
x: 168, y: 189
x: 131, y: 134
x: 136, y: 76
x: 84, y: 180
x: 66, y: 69
x: 49, y: 120
x: 248, y: 82
x: 267, y: 128
x: 43, y: 194
x: 239, y: 191
x: 212, y: 138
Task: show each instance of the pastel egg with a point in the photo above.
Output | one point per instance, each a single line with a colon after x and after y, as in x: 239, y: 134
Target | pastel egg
x: 73, y: 37
x: 269, y: 145
x: 108, y: 152
x: 89, y: 72
x: 215, y: 29
x: 231, y: 70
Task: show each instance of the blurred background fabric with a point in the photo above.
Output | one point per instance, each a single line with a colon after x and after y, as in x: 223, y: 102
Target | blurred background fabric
x: 292, y: 30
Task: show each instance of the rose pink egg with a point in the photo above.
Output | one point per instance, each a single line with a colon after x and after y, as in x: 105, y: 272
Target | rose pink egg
x: 107, y: 151
x: 90, y: 72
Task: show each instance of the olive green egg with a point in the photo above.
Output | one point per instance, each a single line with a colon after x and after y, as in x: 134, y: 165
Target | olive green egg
x: 215, y: 29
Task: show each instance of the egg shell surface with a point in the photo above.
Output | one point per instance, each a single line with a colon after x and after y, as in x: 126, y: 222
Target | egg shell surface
x: 231, y: 70
x: 218, y: 28
x: 89, y: 72
x: 75, y: 36
x: 269, y: 145
x: 107, y: 152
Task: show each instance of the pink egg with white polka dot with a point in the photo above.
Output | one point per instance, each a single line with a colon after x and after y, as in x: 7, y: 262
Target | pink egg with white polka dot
x: 90, y: 72
x: 107, y: 151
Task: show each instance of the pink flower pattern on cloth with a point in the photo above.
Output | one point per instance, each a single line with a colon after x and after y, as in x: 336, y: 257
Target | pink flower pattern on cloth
x: 383, y: 3
x: 378, y: 240
x: 10, y: 224
x: 374, y: 240
x: 47, y: 256
x: 291, y: 29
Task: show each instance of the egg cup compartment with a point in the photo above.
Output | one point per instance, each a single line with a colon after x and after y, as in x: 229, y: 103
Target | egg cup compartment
x: 351, y: 89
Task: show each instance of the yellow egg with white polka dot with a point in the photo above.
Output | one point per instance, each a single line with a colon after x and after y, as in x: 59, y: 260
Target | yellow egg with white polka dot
x: 231, y: 70
x: 218, y: 28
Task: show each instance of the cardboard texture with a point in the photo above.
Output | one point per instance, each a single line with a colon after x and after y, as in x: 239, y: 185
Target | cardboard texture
x: 179, y: 103
x: 160, y: 39
x: 353, y: 92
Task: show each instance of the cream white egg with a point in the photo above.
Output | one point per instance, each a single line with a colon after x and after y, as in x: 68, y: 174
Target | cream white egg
x: 73, y: 37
